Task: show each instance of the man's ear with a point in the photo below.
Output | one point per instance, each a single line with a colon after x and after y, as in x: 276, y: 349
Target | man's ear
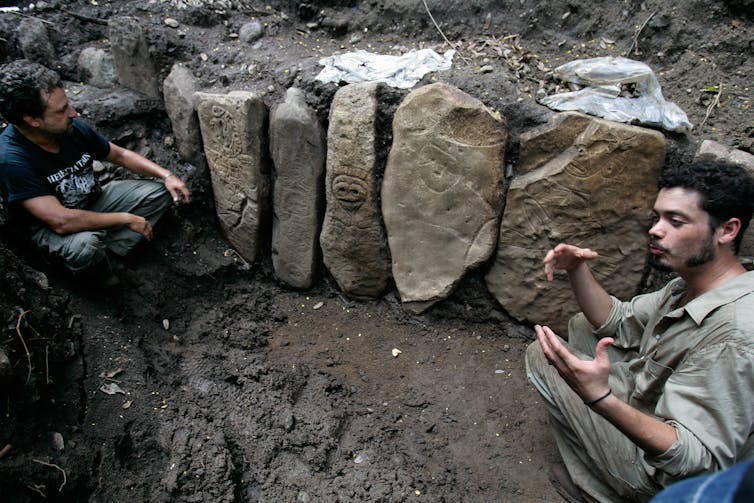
x: 728, y: 231
x: 32, y: 121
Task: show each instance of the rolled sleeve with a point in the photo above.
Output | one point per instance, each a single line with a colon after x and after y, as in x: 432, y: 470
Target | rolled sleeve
x: 627, y: 320
x: 708, y: 401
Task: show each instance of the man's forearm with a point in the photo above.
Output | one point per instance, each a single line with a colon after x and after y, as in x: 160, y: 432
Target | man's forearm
x: 593, y: 300
x: 651, y: 435
x: 135, y: 163
x: 72, y: 221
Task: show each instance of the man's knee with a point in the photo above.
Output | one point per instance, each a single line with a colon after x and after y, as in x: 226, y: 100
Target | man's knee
x: 535, y: 360
x: 581, y: 335
x: 83, y: 251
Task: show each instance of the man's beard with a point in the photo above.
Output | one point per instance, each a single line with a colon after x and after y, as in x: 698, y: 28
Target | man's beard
x: 707, y: 254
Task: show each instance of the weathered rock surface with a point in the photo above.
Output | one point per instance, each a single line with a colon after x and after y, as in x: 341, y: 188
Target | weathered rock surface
x: 353, y: 240
x: 711, y: 150
x: 597, y: 192
x: 298, y: 153
x: 178, y: 91
x: 443, y: 191
x: 35, y: 41
x: 99, y: 65
x: 133, y: 63
x: 234, y: 130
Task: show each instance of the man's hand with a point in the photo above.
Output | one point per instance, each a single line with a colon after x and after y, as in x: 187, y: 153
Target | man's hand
x: 141, y: 225
x: 567, y: 258
x: 178, y: 190
x: 589, y: 379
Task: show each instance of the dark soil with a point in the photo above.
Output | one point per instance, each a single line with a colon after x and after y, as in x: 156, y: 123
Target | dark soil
x: 237, y: 389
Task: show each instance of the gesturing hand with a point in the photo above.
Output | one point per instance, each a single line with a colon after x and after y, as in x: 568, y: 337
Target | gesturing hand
x: 566, y: 257
x: 589, y: 379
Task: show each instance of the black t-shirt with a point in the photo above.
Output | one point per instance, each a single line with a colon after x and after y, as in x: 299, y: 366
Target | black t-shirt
x: 27, y: 170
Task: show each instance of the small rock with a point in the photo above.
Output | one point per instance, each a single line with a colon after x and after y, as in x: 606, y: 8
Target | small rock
x: 172, y: 23
x: 318, y: 305
x: 395, y: 352
x: 166, y: 324
x: 251, y: 32
x: 57, y: 441
x: 486, y: 69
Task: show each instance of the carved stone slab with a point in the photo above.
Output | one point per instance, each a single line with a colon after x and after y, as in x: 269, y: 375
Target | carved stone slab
x: 443, y: 189
x: 298, y: 154
x: 596, y: 192
x: 133, y: 63
x: 234, y: 129
x: 353, y: 241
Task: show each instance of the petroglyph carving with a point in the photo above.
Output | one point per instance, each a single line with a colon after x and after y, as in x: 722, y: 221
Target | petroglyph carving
x: 454, y: 145
x: 592, y: 193
x: 353, y: 240
x: 234, y: 127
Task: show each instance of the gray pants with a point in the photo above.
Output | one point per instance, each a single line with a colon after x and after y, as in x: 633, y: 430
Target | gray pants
x: 600, y: 459
x: 82, y: 250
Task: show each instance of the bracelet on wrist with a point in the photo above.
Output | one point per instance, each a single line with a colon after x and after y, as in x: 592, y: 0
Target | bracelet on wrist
x: 594, y: 402
x: 167, y: 176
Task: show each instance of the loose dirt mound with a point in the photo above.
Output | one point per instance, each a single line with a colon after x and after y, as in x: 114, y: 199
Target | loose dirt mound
x: 235, y: 389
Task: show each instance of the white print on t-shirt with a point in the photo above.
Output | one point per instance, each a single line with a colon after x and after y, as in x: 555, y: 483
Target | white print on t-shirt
x: 85, y: 158
x: 75, y: 184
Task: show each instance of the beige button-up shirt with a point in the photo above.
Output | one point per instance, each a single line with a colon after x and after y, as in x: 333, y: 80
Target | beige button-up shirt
x: 694, y: 369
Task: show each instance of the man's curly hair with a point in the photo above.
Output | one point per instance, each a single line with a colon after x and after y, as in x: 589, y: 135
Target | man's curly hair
x: 22, y: 83
x: 726, y: 189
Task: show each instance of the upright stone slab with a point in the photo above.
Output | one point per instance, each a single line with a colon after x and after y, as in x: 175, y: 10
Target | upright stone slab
x: 353, y: 240
x: 133, y: 63
x: 298, y: 155
x: 234, y: 129
x: 443, y: 191
x: 178, y: 91
x: 596, y: 193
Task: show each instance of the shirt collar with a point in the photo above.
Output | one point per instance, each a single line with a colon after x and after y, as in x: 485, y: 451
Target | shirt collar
x: 730, y: 291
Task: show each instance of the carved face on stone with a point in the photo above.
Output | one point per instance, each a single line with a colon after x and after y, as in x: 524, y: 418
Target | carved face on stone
x: 350, y: 191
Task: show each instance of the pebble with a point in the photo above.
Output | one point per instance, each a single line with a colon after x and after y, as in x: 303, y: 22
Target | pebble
x: 486, y: 69
x: 171, y: 22
x: 251, y: 32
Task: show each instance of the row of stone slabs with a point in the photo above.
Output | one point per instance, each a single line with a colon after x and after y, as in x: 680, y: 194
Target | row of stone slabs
x: 579, y: 179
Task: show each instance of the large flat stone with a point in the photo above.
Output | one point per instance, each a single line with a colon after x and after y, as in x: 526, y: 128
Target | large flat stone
x: 234, y: 130
x: 297, y: 145
x: 134, y: 65
x: 596, y: 192
x: 353, y: 240
x: 443, y: 191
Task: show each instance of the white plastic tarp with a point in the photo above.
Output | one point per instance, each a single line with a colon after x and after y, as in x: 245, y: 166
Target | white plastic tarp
x: 602, y: 78
x: 402, y: 72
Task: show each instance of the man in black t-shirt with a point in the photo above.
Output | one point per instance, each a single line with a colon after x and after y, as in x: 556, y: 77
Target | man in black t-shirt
x: 48, y: 183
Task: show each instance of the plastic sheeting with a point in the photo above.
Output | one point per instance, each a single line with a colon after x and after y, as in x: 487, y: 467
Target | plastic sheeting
x: 402, y: 72
x: 601, y: 79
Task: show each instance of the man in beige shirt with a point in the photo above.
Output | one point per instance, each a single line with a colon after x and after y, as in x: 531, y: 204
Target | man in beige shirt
x: 661, y: 387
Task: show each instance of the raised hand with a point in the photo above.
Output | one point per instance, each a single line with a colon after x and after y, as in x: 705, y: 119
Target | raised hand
x: 566, y: 257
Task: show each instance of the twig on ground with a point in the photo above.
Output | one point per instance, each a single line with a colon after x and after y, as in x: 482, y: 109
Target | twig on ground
x: 635, y: 40
x: 441, y: 33
x: 87, y: 19
x: 23, y: 343
x: 36, y: 489
x: 53, y: 465
x: 5, y: 450
x: 47, y: 364
x: 715, y: 103
x: 32, y: 17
